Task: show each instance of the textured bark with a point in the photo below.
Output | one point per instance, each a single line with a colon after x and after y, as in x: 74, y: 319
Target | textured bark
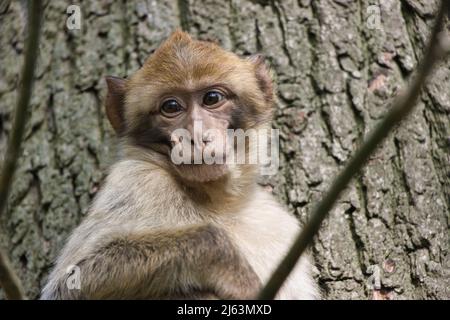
x: 336, y: 77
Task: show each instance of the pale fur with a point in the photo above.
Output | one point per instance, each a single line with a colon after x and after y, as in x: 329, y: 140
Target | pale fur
x: 140, y: 196
x: 144, y: 193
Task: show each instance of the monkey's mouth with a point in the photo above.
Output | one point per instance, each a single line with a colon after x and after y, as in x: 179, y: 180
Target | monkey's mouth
x: 202, y: 172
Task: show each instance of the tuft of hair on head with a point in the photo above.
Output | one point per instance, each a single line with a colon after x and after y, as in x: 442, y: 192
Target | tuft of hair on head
x: 177, y: 39
x: 179, y: 36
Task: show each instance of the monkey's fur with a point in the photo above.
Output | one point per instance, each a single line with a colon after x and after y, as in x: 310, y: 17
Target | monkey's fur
x: 159, y: 231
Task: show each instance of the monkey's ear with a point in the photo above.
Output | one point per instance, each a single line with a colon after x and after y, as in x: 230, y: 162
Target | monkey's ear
x: 263, y: 76
x: 115, y: 100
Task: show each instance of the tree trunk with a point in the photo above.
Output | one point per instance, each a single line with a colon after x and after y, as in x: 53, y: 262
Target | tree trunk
x: 337, y: 70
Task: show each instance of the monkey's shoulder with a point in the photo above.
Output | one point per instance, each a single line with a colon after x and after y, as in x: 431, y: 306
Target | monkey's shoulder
x: 136, y: 189
x: 265, y: 232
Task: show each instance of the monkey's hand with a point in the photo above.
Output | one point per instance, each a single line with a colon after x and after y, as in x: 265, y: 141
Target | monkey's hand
x: 227, y: 272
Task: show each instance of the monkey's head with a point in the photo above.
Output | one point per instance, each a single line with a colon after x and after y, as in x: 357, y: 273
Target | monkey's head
x: 184, y: 101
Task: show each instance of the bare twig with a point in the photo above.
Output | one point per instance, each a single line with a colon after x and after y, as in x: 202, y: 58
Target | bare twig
x: 8, y: 279
x: 401, y: 107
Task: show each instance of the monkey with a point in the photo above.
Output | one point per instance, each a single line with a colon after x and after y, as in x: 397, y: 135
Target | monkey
x: 161, y: 230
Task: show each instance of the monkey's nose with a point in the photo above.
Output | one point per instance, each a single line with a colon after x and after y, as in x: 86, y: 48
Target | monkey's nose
x: 198, y: 144
x: 201, y: 142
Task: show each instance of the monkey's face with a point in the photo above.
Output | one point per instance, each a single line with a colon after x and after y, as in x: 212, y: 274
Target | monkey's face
x: 185, y: 102
x: 190, y: 126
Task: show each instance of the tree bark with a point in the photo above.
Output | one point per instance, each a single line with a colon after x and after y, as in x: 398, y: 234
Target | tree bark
x: 336, y: 76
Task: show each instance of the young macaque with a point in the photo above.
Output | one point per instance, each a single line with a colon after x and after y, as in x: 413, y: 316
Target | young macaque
x: 164, y: 230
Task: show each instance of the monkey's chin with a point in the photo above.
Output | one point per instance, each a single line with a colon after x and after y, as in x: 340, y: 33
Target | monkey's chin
x: 202, y: 172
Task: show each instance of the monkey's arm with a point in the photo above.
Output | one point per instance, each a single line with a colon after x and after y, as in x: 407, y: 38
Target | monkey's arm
x: 194, y: 261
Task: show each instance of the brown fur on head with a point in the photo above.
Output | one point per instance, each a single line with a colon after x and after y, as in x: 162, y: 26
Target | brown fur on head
x: 169, y: 91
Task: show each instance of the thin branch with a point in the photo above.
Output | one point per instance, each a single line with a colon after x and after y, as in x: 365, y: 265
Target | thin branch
x: 8, y: 279
x: 401, y: 107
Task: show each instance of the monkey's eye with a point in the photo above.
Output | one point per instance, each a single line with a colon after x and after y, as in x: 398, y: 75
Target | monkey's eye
x: 212, y: 97
x: 171, y: 108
